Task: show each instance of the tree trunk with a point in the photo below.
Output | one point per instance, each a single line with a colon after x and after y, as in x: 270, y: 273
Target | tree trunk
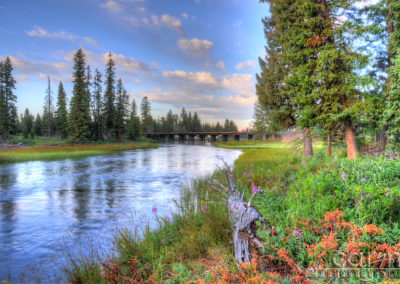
x: 308, y: 149
x: 328, y: 144
x: 383, y: 139
x: 242, y: 216
x: 350, y: 141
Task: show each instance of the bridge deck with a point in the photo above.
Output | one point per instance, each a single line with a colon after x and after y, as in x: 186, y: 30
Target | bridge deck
x: 201, y: 133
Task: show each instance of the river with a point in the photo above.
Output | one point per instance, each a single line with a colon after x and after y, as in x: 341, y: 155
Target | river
x: 51, y: 209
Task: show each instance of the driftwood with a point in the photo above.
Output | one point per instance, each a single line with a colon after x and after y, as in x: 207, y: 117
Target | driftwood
x: 242, y: 217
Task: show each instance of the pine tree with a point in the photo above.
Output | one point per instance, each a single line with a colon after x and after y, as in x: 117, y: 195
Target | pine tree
x: 79, y: 117
x: 260, y: 123
x: 109, y: 97
x: 183, y: 123
x: 61, y: 112
x: 38, y: 125
x: 196, y: 123
x: 121, y: 110
x: 391, y: 9
x: 146, y: 119
x: 48, y: 112
x: 134, y: 123
x: 169, y: 122
x: 27, y: 124
x: 97, y: 104
x: 8, y: 109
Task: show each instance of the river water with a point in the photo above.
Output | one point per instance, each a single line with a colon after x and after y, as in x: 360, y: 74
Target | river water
x: 51, y: 209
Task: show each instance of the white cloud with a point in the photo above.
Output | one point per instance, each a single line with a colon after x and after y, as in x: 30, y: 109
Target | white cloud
x: 42, y: 33
x: 195, y: 45
x: 240, y: 84
x: 171, y: 21
x: 220, y: 64
x: 246, y: 65
x: 184, y: 15
x: 112, y: 6
x: 155, y: 20
x: 91, y: 41
x: 198, y: 77
x: 127, y: 63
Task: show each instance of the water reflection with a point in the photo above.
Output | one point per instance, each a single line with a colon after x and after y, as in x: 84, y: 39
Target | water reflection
x: 49, y: 207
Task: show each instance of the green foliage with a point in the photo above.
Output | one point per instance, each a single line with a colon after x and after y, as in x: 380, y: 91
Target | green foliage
x: 134, y: 123
x: 121, y: 110
x: 109, y: 96
x: 61, y: 112
x: 146, y: 119
x: 79, y: 117
x: 8, y: 109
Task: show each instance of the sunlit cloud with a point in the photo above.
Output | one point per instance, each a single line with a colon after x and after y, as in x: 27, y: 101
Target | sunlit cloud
x: 43, y: 33
x: 195, y: 45
x: 246, y: 65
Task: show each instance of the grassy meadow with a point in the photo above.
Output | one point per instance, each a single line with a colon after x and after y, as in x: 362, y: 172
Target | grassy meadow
x: 321, y: 214
x: 50, y: 153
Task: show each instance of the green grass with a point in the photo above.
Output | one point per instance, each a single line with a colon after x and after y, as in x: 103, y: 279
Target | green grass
x: 50, y: 153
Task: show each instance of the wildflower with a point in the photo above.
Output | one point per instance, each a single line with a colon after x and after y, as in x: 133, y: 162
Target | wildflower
x: 244, y: 174
x: 236, y: 207
x: 250, y: 172
x: 312, y: 270
x: 269, y: 170
x: 204, y: 208
x: 238, y: 179
x: 304, y: 162
x: 387, y: 193
x: 297, y: 233
x: 262, y: 169
x: 344, y: 176
x: 208, y: 185
x: 154, y: 210
x: 167, y: 218
x: 162, y: 241
x: 363, y: 179
x: 372, y: 162
x: 335, y: 157
x: 250, y: 180
x: 255, y: 189
x: 252, y: 165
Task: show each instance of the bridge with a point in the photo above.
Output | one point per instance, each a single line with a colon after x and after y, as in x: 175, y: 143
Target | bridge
x: 190, y: 136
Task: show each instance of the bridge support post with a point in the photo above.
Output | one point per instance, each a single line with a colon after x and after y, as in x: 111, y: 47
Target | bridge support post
x: 203, y: 138
x: 182, y: 138
x: 225, y: 138
x: 161, y: 138
x: 236, y: 137
x: 171, y: 138
x: 191, y: 138
x: 250, y: 136
x: 213, y: 138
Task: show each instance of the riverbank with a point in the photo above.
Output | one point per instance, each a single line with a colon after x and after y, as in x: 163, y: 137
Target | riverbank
x: 51, y: 153
x: 323, y: 212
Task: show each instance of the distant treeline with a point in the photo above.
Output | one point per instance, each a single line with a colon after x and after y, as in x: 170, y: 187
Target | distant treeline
x: 99, y: 109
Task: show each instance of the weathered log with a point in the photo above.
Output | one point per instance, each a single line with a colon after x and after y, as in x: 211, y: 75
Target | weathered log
x: 242, y: 217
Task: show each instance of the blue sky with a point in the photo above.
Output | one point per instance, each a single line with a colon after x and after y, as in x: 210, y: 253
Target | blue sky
x: 197, y: 54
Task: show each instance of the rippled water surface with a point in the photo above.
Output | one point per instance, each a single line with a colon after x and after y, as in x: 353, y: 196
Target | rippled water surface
x: 50, y: 208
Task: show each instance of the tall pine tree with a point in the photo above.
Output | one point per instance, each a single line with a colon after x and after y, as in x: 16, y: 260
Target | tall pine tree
x: 79, y: 117
x: 121, y: 110
x: 48, y: 110
x: 8, y: 109
x: 109, y: 97
x: 146, y: 119
x: 97, y: 104
x: 61, y: 112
